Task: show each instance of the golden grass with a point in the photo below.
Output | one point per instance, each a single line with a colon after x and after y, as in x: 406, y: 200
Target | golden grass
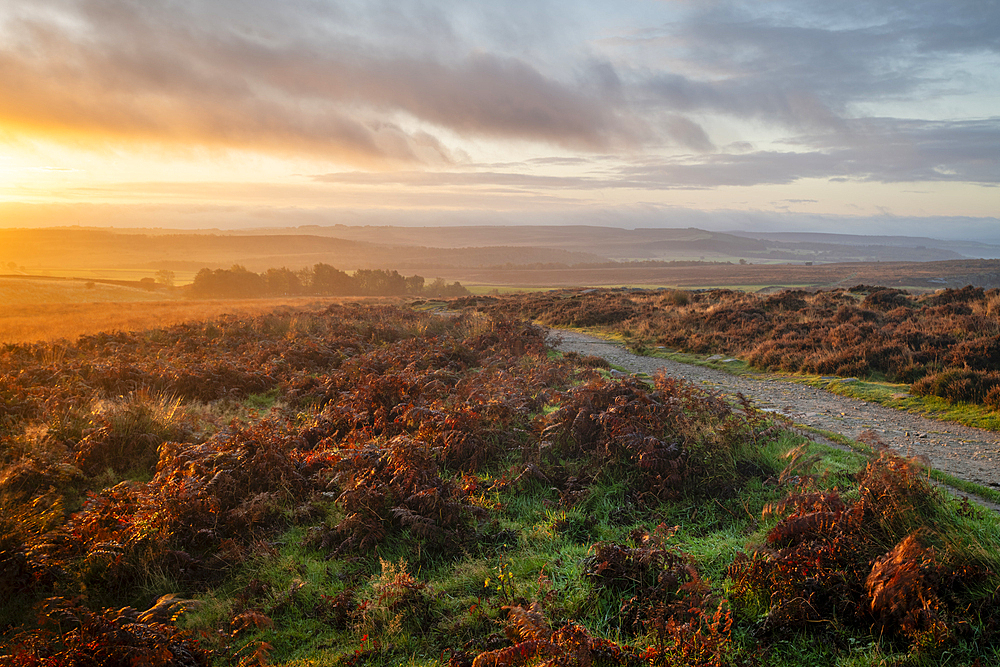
x: 31, y: 291
x: 50, y: 322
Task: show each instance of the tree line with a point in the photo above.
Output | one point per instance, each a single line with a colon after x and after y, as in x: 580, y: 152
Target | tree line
x: 319, y: 280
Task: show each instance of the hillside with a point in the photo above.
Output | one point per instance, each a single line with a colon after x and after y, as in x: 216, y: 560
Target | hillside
x: 501, y: 257
x: 921, y: 275
x: 67, y: 250
x: 664, y: 243
x: 427, y: 248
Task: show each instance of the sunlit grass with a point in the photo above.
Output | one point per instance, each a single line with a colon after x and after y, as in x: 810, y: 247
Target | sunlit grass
x: 491, y: 289
x: 895, y: 395
x: 34, y: 291
x: 68, y: 321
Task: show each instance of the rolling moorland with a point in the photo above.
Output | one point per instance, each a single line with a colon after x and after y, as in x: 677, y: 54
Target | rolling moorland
x: 367, y: 484
x: 50, y: 308
x: 526, y: 257
x: 321, y: 480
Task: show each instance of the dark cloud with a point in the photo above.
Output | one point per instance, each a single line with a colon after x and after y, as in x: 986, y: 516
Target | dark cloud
x: 876, y: 150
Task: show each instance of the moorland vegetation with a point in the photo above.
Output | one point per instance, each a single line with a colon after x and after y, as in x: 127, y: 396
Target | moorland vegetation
x: 944, y: 344
x: 374, y: 485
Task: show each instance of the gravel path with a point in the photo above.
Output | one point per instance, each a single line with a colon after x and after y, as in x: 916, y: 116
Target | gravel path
x: 967, y: 453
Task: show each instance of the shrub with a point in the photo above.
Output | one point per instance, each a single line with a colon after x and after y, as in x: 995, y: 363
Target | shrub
x: 885, y: 300
x: 72, y: 635
x: 126, y: 434
x: 858, y: 563
x: 958, y: 385
x: 675, y: 298
x: 674, y: 439
x: 888, y: 335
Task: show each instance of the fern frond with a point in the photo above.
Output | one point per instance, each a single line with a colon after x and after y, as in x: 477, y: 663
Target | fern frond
x: 518, y: 654
x: 527, y: 624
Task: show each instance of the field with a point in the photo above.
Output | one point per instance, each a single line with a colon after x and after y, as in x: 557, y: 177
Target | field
x: 367, y: 484
x: 66, y: 321
x: 24, y: 291
x: 51, y: 309
x: 922, y: 276
x: 512, y: 257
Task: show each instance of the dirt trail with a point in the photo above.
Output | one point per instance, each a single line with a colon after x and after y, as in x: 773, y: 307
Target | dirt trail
x: 967, y: 453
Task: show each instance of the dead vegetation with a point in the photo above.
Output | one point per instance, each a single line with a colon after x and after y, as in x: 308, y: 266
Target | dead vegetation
x: 360, y: 471
x: 946, y: 344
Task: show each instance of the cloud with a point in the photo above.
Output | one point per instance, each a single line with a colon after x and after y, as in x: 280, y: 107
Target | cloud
x: 872, y: 150
x: 412, y: 85
x: 812, y: 65
x: 286, y: 76
x: 892, y: 150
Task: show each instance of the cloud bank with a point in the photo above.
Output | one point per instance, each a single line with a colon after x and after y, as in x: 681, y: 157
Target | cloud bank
x: 665, y: 95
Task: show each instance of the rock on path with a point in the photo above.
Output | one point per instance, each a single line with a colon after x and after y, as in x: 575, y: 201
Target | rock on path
x: 967, y: 453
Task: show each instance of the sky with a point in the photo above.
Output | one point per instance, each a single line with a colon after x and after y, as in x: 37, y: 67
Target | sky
x: 848, y: 116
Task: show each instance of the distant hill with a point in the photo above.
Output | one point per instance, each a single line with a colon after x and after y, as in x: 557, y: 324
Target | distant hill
x: 46, y: 250
x: 756, y: 277
x: 969, y: 249
x: 449, y: 252
x: 667, y: 244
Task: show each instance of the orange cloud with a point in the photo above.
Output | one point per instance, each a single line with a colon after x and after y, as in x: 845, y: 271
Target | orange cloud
x: 137, y: 74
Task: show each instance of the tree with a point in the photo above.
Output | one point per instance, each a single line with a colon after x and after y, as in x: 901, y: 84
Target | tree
x: 165, y: 277
x: 437, y: 288
x: 414, y: 284
x: 330, y: 281
x: 376, y: 282
x: 234, y: 282
x: 282, y: 282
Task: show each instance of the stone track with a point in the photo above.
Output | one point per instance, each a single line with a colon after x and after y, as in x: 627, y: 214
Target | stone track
x: 967, y: 453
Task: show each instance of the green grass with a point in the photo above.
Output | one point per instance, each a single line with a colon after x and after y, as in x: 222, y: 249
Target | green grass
x: 894, y: 395
x: 543, y: 556
x: 264, y: 401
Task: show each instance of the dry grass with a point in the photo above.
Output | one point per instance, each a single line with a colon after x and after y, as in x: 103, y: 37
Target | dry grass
x: 24, y: 323
x: 31, y: 291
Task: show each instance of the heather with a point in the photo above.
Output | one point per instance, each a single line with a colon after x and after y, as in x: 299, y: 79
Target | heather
x: 945, y: 344
x: 374, y: 485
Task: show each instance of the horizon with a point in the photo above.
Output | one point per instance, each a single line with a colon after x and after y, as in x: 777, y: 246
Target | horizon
x: 787, y: 117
